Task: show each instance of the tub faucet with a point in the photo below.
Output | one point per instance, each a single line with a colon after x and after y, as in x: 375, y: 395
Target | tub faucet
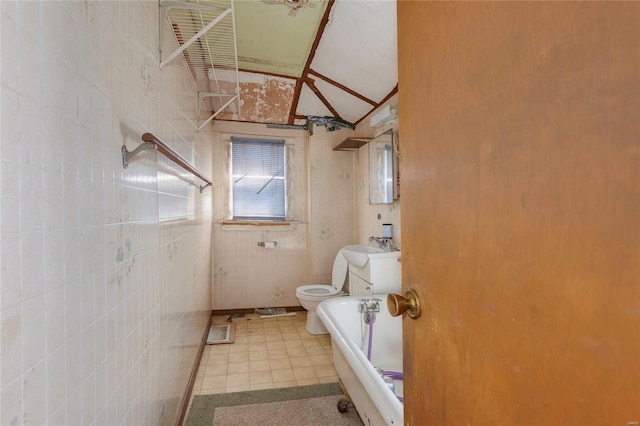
x: 369, y: 306
x: 383, y: 243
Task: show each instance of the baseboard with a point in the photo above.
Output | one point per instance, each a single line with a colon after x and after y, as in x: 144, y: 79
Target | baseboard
x: 252, y: 310
x: 184, y: 405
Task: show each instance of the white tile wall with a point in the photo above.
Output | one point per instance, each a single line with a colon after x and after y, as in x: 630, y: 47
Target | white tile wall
x: 332, y: 200
x: 105, y: 273
x: 245, y: 275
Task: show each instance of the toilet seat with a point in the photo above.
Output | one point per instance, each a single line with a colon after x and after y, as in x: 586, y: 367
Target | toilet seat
x: 317, y: 291
x: 323, y: 291
x: 311, y: 295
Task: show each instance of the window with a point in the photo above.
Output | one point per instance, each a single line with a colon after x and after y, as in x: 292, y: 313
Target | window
x: 258, y: 179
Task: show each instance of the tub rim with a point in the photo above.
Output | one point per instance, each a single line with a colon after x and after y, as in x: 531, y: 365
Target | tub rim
x: 363, y: 369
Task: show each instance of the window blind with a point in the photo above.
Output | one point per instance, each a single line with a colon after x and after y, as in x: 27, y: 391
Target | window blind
x: 258, y: 179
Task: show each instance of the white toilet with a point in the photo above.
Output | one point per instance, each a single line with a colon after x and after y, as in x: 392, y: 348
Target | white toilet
x: 311, y: 295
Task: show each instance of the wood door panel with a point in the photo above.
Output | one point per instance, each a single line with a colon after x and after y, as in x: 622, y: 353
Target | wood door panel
x: 520, y: 174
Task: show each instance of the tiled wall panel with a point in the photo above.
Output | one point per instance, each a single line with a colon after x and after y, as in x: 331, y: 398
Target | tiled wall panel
x: 332, y: 200
x: 105, y: 272
x: 246, y: 275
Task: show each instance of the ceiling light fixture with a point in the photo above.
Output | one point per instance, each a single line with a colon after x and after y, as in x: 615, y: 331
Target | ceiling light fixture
x: 293, y: 4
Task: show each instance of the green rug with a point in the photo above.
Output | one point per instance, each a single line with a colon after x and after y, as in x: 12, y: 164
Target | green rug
x: 299, y: 405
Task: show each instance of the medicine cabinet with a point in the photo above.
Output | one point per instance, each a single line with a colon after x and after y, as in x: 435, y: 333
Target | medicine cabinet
x: 383, y: 169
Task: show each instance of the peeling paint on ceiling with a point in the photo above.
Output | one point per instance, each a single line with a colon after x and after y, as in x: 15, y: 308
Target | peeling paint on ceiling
x: 263, y: 99
x: 338, y: 58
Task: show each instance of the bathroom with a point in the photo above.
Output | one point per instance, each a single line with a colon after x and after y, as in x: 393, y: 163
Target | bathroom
x: 109, y: 275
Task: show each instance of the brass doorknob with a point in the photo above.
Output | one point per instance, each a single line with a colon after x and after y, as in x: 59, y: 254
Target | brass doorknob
x: 409, y: 303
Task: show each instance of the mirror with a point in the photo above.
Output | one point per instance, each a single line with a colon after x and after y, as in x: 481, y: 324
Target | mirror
x: 383, y: 170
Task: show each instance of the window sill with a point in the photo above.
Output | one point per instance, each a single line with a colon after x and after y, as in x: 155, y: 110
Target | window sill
x: 254, y: 223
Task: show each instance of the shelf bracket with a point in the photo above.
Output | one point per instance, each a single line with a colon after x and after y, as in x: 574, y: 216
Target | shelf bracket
x: 126, y: 154
x: 203, y: 187
x: 218, y: 111
x: 203, y: 95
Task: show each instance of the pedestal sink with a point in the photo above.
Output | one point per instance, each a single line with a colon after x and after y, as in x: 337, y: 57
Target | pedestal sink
x: 360, y: 255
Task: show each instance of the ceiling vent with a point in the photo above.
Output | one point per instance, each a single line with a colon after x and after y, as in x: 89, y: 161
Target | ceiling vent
x: 386, y: 115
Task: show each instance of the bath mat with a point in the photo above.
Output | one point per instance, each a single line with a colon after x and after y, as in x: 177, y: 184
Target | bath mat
x: 299, y: 405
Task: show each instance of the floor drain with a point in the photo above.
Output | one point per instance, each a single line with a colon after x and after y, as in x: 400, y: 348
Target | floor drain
x: 220, y: 334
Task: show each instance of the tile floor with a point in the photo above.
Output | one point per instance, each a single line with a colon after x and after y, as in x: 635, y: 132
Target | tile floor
x: 267, y: 353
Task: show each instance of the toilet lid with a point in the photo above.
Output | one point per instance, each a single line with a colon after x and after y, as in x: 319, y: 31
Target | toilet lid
x: 340, y: 267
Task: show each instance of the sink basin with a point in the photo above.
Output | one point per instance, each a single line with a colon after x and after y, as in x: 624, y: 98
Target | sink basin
x: 359, y: 255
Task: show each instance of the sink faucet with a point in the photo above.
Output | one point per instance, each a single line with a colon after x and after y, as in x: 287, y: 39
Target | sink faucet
x: 383, y: 243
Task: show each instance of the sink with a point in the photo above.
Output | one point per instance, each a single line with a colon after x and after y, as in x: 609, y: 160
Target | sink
x: 359, y: 255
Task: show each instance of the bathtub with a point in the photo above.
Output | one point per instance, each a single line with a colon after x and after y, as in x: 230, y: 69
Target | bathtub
x: 375, y: 402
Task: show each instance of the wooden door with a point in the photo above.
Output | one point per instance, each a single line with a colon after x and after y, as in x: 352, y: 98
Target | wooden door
x: 520, y: 174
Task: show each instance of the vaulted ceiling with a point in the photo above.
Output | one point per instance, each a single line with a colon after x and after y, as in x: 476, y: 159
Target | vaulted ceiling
x: 301, y: 58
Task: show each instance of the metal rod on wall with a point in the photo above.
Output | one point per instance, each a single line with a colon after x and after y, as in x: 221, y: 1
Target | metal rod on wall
x: 152, y: 142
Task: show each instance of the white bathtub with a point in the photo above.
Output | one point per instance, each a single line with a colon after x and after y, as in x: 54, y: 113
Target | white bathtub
x: 375, y: 402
